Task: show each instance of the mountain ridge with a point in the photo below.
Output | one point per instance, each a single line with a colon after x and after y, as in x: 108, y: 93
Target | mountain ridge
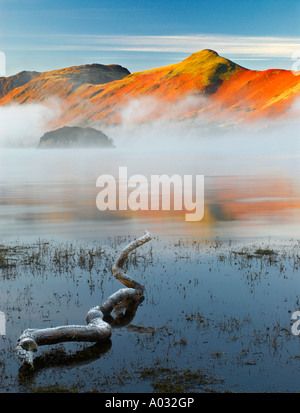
x: 220, y: 88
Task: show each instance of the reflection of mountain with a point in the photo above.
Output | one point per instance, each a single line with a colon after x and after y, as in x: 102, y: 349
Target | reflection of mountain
x: 227, y: 199
x: 203, y: 84
x: 267, y: 198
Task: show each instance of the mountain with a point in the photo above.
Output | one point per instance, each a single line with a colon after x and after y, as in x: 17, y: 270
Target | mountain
x: 12, y: 82
x: 38, y: 87
x: 205, y: 84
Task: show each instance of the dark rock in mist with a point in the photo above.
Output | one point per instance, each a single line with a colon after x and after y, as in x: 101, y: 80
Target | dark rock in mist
x: 75, y: 137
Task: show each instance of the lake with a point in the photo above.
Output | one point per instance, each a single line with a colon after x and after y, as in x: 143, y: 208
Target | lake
x: 251, y: 186
x: 220, y: 292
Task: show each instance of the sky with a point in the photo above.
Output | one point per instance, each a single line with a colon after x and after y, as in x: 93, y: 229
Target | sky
x: 45, y: 35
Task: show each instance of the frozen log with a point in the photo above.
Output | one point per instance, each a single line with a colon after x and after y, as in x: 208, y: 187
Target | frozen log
x: 98, y: 319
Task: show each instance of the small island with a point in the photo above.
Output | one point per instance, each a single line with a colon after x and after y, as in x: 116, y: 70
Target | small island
x: 75, y: 137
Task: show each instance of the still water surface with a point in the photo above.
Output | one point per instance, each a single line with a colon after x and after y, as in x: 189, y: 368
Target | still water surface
x: 209, y: 303
x: 53, y: 194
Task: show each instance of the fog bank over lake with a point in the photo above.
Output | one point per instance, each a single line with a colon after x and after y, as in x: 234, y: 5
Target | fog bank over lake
x: 251, y: 183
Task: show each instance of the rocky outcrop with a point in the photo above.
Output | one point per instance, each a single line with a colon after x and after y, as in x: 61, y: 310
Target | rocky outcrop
x: 75, y: 137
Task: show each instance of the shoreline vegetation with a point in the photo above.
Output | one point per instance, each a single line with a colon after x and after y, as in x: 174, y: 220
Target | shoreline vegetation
x: 209, y: 344
x: 64, y: 256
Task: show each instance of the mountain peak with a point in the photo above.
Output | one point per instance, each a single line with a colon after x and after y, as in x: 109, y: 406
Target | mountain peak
x: 209, y: 58
x: 206, y: 53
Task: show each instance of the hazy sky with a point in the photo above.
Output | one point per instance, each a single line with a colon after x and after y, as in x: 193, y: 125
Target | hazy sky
x: 44, y: 35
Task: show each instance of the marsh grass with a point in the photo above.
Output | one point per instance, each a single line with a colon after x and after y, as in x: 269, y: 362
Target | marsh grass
x: 172, y: 380
x: 183, y: 339
x: 53, y: 256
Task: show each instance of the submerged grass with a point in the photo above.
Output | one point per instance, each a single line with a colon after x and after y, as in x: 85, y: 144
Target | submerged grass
x: 171, y: 380
x: 187, y: 321
x: 53, y: 256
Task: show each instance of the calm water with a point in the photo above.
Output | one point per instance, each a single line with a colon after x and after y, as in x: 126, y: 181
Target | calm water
x: 208, y: 304
x: 53, y: 193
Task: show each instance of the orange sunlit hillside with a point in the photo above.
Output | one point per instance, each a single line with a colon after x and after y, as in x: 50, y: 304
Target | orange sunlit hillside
x: 204, y: 84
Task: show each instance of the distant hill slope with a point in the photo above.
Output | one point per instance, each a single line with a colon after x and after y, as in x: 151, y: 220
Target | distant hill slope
x: 12, y: 82
x: 60, y: 83
x: 204, y: 84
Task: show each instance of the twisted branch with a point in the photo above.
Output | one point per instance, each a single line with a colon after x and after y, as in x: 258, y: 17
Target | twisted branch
x: 98, y: 319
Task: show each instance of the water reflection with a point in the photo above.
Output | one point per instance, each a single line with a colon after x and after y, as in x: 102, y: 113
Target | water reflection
x: 60, y: 359
x: 54, y: 195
